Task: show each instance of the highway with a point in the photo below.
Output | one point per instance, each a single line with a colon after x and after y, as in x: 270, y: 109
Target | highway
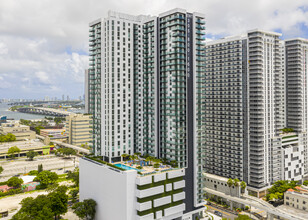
x: 79, y: 149
x: 44, y: 111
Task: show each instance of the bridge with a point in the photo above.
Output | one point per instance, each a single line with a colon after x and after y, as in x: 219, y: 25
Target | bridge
x: 59, y: 143
x: 257, y: 203
x: 44, y: 111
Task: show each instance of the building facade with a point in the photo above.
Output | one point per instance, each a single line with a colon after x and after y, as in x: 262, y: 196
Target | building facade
x: 244, y: 99
x: 296, y: 58
x: 21, y: 132
x: 86, y: 91
x: 297, y: 199
x: 78, y: 129
x: 146, y: 87
x: 138, y: 197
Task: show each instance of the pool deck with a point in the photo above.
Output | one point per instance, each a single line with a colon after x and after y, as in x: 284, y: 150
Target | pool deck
x: 145, y: 169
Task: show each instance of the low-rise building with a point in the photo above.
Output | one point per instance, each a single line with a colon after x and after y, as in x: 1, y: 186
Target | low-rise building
x: 56, y: 133
x: 21, y: 132
x: 150, y: 193
x: 78, y: 129
x: 297, y: 198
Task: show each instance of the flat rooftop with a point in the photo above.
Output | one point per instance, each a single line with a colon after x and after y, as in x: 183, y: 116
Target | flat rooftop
x: 22, y: 145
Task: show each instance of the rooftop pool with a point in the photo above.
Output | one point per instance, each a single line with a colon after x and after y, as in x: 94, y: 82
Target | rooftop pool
x: 127, y: 167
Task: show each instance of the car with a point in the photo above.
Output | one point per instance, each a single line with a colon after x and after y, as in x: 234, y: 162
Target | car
x: 218, y: 213
x: 17, y: 175
x: 60, y: 169
x: 66, y: 171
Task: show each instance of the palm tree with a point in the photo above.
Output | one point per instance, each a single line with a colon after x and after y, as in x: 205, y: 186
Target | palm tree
x: 236, y: 182
x: 243, y: 186
x: 137, y: 154
x: 230, y: 183
x: 173, y: 163
x: 147, y: 159
x: 151, y: 159
x: 133, y: 158
x: 124, y: 157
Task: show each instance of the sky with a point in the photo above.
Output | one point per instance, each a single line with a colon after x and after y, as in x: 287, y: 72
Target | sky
x: 44, y: 43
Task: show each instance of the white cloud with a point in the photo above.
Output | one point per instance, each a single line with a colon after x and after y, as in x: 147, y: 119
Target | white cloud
x: 43, y: 44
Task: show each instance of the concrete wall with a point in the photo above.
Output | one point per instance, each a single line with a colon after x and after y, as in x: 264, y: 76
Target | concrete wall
x: 113, y: 190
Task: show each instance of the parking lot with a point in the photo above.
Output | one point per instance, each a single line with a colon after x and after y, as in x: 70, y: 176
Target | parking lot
x: 22, y: 166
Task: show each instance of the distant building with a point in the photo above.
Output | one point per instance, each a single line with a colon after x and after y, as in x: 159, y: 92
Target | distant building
x: 67, y: 98
x: 86, y: 92
x: 3, y: 119
x: 22, y: 132
x: 78, y: 129
x: 56, y: 133
x: 62, y: 97
x: 297, y: 198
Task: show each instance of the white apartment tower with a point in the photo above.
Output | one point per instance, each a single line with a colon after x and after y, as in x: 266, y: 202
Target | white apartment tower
x: 112, y: 70
x: 147, y: 91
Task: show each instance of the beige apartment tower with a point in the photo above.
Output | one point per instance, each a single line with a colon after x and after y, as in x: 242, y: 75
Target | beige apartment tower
x: 78, y: 129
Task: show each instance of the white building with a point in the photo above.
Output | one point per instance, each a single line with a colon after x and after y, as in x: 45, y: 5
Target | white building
x: 129, y: 195
x: 146, y: 91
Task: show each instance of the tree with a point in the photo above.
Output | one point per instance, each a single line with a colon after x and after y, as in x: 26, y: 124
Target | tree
x: 11, y: 137
x: 31, y: 154
x: 174, y: 163
x: 305, y: 183
x: 33, y: 173
x: 58, y: 120
x: 230, y: 182
x: 12, y: 151
x: 74, y: 194
x: 38, y: 129
x: 1, y: 169
x: 124, y: 156
x: 85, y: 209
x: 74, y: 176
x: 236, y: 182
x: 39, y: 168
x: 58, y: 199
x: 38, y: 208
x: 243, y: 186
x: 15, y: 182
x: 279, y: 188
x: 287, y: 130
x: 133, y: 157
x: 66, y: 151
x: 45, y: 178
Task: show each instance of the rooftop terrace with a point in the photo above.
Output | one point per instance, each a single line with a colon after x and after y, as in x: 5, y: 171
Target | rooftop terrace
x: 142, y: 166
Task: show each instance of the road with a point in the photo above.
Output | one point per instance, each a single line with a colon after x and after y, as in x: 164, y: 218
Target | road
x: 224, y: 213
x: 22, y: 166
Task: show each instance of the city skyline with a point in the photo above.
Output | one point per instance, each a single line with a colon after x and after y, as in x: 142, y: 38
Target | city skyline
x: 47, y: 54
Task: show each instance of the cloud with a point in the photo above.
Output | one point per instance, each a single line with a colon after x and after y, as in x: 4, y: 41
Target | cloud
x: 44, y: 44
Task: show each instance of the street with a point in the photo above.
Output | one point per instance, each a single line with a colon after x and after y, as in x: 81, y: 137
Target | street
x: 224, y: 213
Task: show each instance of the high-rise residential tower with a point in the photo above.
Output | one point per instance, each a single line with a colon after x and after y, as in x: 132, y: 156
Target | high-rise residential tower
x: 296, y: 59
x: 244, y: 100
x: 114, y: 45
x: 146, y: 90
